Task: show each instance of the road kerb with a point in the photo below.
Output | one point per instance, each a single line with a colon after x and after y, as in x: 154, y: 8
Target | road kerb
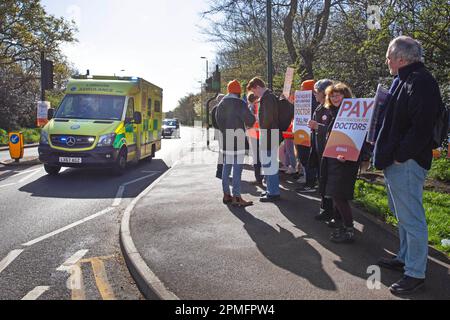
x: 145, y: 278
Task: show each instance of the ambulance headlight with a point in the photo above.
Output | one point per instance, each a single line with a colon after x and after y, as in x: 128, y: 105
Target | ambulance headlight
x: 44, y: 137
x: 106, y: 140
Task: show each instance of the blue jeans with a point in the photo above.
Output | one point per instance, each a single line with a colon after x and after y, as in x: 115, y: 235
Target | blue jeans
x: 237, y: 173
x: 289, y: 152
x: 273, y: 179
x: 404, y: 184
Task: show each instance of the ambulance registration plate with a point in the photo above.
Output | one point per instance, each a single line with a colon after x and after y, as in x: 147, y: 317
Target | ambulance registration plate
x: 69, y: 160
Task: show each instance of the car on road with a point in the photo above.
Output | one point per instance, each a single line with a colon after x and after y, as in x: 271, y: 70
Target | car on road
x: 103, y: 121
x: 170, y: 128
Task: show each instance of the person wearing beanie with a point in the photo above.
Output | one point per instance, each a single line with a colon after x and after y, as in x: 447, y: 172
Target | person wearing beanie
x: 233, y: 117
x: 217, y: 134
x: 310, y: 173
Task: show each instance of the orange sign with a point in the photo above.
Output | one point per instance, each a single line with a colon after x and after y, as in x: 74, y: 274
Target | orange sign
x: 15, y: 145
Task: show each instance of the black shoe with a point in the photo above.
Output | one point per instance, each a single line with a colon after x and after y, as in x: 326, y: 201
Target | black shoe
x: 391, y: 263
x: 334, y: 223
x: 343, y: 235
x: 269, y: 198
x: 324, y: 215
x: 407, y: 285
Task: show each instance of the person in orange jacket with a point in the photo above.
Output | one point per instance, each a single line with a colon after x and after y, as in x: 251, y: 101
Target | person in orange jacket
x: 291, y: 162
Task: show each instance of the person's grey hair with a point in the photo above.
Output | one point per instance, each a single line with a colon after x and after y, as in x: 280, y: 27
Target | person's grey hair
x: 322, y: 84
x: 406, y: 48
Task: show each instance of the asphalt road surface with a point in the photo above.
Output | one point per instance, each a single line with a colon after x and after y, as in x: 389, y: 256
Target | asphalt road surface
x: 60, y: 234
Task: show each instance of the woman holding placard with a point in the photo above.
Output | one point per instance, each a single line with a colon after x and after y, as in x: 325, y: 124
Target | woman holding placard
x: 338, y: 176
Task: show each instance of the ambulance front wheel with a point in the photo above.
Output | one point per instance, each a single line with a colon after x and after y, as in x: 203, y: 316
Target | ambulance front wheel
x: 52, y: 170
x: 121, y: 163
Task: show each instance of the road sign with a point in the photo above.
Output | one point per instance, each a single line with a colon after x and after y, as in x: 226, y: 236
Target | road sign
x: 16, y: 145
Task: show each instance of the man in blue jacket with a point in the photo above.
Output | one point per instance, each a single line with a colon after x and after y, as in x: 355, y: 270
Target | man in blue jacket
x: 404, y: 151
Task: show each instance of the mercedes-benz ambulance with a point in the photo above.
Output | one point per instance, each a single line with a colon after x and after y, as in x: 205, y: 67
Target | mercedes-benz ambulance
x: 103, y: 122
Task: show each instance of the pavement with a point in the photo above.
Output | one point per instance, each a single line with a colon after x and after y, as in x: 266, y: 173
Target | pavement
x: 31, y: 156
x: 181, y: 242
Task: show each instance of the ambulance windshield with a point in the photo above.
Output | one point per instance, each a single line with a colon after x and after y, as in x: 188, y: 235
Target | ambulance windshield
x: 91, y: 106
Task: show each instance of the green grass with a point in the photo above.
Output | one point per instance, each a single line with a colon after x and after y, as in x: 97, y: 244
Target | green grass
x: 373, y: 198
x: 29, y: 135
x: 440, y: 170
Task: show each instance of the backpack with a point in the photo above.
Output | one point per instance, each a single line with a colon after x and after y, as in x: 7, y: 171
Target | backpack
x: 285, y: 114
x: 440, y: 131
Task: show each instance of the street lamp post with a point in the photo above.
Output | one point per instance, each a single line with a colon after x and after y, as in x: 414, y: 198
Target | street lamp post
x: 207, y: 72
x: 269, y: 45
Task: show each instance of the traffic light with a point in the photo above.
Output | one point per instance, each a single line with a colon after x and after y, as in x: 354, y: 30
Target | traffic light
x: 212, y: 84
x: 209, y: 85
x: 47, y: 74
x: 216, y: 80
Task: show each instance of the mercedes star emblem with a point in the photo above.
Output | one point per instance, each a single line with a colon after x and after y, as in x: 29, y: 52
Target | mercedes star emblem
x: 71, y: 141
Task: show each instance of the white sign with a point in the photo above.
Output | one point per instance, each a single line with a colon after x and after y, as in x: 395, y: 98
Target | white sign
x: 302, y: 115
x: 350, y: 129
x: 42, y: 112
x: 288, y: 78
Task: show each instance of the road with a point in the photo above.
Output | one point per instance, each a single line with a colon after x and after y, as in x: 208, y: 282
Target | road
x: 60, y: 235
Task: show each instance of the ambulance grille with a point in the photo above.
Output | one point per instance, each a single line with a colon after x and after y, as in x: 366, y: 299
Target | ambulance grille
x: 72, y: 141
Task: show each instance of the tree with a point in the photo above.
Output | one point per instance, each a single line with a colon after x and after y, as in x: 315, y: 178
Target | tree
x: 26, y: 30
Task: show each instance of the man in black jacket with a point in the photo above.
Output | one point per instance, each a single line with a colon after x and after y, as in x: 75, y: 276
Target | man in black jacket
x: 233, y: 116
x: 269, y: 137
x: 404, y: 151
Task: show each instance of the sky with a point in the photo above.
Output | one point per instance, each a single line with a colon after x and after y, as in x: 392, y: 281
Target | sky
x: 160, y: 41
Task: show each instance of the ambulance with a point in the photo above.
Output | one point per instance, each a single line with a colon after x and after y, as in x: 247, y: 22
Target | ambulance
x: 103, y: 121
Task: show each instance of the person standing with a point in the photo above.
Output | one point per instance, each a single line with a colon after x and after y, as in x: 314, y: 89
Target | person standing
x: 269, y: 137
x: 233, y: 116
x: 338, y: 176
x: 217, y: 136
x: 319, y: 123
x: 303, y: 152
x: 253, y: 137
x: 403, y: 151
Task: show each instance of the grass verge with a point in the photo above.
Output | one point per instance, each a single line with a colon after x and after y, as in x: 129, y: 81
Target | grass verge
x: 373, y: 198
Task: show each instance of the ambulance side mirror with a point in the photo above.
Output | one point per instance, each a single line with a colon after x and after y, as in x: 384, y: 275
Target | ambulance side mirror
x: 50, y: 113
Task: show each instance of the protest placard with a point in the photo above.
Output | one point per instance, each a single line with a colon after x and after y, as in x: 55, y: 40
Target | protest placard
x: 350, y: 129
x: 381, y: 98
x: 289, y: 77
x: 302, y: 115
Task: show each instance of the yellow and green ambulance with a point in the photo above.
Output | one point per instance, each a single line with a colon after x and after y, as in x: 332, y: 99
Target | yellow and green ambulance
x: 103, y: 121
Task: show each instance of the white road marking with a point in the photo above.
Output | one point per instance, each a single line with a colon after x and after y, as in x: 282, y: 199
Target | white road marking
x: 7, y: 185
x: 9, y: 258
x: 36, y: 293
x: 29, y: 176
x: 72, y: 260
x: 120, y: 191
x: 3, y: 172
x: 19, y: 173
x: 75, y: 281
x: 72, y: 225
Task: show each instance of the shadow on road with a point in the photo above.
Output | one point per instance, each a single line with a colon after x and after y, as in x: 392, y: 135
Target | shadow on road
x: 371, y: 244
x: 283, y: 249
x: 95, y: 183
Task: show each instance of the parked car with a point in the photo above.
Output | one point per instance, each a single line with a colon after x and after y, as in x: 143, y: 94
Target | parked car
x: 170, y: 128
